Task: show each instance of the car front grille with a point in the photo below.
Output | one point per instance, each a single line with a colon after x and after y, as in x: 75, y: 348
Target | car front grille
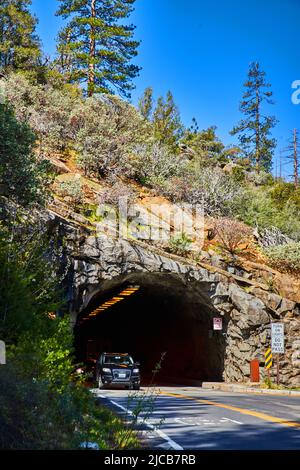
x: 121, y: 374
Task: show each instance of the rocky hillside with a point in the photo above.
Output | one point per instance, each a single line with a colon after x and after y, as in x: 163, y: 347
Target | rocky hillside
x: 249, y: 266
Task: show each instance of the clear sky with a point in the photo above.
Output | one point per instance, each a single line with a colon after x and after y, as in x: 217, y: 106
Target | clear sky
x: 201, y: 51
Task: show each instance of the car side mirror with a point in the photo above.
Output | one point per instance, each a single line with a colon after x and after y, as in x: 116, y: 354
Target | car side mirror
x: 137, y: 363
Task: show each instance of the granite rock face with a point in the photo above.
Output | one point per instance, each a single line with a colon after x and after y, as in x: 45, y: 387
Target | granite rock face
x: 247, y: 314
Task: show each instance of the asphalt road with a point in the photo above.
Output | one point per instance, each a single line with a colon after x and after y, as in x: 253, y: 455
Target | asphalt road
x: 191, y: 418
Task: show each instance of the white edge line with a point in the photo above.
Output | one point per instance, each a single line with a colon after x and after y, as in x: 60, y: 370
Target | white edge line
x: 232, y: 420
x: 163, y: 435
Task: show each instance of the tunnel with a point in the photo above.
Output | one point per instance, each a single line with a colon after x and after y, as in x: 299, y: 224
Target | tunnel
x: 164, y: 322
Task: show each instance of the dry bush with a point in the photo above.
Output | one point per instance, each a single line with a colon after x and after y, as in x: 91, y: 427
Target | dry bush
x: 285, y: 258
x: 114, y: 194
x: 209, y: 187
x: 271, y: 237
x: 231, y: 234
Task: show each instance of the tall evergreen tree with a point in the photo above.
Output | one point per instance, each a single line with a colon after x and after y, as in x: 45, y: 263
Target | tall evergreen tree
x: 94, y: 48
x: 19, y: 45
x: 168, y: 128
x: 254, y: 131
x: 164, y: 116
x: 146, y: 104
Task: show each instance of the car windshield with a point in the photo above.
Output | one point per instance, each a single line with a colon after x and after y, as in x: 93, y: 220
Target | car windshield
x: 123, y: 360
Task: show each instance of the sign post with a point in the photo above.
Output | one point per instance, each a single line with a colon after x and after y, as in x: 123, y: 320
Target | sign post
x: 268, y: 361
x: 277, y: 342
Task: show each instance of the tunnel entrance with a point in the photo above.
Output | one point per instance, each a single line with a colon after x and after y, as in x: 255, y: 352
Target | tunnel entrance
x: 147, y: 315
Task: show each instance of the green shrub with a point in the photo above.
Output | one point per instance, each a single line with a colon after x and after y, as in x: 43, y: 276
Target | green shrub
x: 208, y: 187
x: 29, y: 280
x: 263, y: 178
x: 180, y: 244
x: 35, y: 416
x: 257, y: 208
x: 283, y: 193
x: 43, y: 403
x: 72, y: 190
x: 104, y: 131
x: 285, y: 257
x: 22, y: 177
x: 238, y: 174
x: 154, y: 163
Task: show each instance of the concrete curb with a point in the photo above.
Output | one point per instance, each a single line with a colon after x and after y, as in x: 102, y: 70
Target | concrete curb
x: 247, y: 389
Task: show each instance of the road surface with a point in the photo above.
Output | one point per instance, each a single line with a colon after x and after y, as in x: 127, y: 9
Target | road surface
x: 192, y: 418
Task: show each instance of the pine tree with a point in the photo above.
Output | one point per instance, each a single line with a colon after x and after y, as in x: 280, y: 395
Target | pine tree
x: 164, y: 117
x: 254, y: 131
x: 94, y: 48
x: 168, y: 128
x: 19, y: 45
x: 204, y: 143
x: 145, y: 105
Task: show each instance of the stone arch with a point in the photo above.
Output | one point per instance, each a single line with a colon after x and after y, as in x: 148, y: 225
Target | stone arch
x: 168, y: 316
x: 247, y: 312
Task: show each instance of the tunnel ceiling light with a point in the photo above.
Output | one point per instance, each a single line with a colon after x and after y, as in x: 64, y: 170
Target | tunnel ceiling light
x: 114, y: 300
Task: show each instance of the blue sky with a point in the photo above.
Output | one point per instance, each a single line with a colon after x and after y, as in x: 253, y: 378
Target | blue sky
x: 201, y: 51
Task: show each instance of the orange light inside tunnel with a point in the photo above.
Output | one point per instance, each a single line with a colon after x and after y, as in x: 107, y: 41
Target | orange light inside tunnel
x: 114, y: 300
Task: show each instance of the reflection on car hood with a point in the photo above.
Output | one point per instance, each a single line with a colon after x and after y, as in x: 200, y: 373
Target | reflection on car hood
x: 122, y: 366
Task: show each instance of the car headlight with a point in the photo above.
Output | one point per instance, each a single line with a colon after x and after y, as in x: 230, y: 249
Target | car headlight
x: 135, y: 371
x: 105, y: 370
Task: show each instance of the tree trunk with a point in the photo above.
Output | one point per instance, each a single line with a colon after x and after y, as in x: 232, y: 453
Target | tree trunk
x: 296, y: 176
x: 257, y: 130
x: 92, y: 52
x: 65, y: 58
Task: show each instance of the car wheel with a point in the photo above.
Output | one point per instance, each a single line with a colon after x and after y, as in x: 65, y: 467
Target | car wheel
x: 136, y: 387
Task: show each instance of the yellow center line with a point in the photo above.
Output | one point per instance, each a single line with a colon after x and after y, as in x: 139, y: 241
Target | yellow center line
x: 244, y: 411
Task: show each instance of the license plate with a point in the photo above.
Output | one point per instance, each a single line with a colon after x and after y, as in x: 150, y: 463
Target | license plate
x: 122, y: 376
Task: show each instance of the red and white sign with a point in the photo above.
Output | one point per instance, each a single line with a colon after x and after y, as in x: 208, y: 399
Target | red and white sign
x: 217, y: 323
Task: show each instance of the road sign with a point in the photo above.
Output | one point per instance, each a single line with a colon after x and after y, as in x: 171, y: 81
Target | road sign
x: 277, y: 335
x: 218, y: 324
x: 268, y: 359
